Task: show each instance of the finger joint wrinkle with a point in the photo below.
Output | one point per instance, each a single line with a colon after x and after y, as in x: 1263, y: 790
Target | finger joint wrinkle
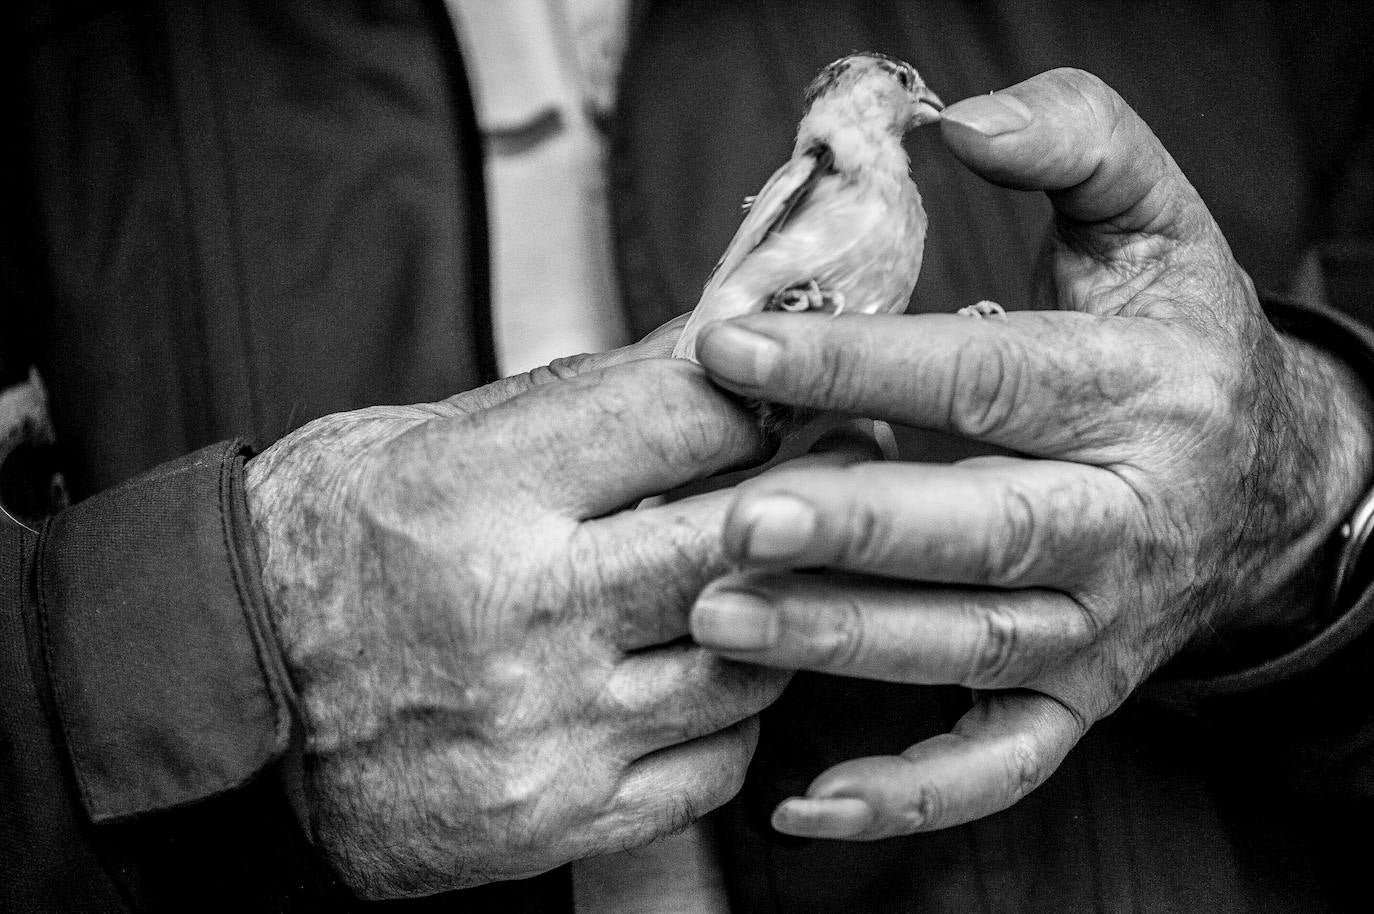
x: 845, y: 643
x: 1026, y: 768
x: 986, y: 388
x: 997, y: 641
x: 923, y: 808
x: 1009, y: 557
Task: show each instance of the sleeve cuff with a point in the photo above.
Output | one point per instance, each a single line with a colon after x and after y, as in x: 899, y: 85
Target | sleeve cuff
x: 1352, y: 616
x: 164, y: 670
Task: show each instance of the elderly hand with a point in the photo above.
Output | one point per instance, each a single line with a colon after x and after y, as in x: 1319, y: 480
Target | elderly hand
x: 1183, y: 465
x: 488, y: 650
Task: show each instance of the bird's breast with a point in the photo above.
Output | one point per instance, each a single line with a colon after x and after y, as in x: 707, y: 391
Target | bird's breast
x: 859, y: 239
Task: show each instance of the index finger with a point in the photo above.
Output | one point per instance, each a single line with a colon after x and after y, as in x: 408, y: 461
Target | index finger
x: 1050, y: 383
x: 599, y: 441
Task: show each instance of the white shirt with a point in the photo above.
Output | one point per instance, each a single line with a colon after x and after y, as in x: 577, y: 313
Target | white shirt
x: 543, y: 73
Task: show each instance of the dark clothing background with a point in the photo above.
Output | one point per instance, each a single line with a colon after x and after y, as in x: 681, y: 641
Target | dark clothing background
x: 228, y: 219
x: 242, y: 216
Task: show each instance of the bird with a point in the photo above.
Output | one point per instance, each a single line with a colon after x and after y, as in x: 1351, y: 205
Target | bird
x: 839, y: 227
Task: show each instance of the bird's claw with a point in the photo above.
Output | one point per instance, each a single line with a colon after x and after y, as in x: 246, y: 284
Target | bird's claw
x: 807, y: 297
x: 983, y: 309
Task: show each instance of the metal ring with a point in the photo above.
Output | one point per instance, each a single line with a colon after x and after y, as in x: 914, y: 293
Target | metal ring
x: 1356, y: 532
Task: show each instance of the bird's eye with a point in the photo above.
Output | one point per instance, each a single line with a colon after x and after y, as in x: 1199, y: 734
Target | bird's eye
x: 906, y: 78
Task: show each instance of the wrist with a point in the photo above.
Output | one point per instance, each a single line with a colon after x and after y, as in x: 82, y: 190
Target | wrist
x: 1318, y: 456
x: 1285, y: 623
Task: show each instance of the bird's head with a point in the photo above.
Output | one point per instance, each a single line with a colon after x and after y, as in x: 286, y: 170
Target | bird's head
x: 879, y: 86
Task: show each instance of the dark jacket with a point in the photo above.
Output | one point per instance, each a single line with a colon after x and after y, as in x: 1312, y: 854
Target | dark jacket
x: 228, y: 219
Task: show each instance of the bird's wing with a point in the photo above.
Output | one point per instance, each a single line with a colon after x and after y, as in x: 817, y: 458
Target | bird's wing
x: 786, y: 190
x: 767, y: 214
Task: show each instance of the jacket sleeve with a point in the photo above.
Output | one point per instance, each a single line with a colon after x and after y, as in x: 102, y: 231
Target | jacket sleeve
x: 138, y: 667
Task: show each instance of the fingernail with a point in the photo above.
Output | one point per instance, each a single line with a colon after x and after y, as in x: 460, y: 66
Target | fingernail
x: 869, y: 439
x: 848, y: 436
x: 779, y: 527
x: 887, y: 440
x: 990, y: 115
x: 734, y: 621
x: 738, y: 355
x: 833, y: 817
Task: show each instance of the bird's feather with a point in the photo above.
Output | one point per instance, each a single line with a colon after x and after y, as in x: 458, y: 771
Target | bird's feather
x: 770, y: 209
x: 767, y: 213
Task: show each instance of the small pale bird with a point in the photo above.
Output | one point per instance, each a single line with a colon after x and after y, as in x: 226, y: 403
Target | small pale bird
x: 840, y: 227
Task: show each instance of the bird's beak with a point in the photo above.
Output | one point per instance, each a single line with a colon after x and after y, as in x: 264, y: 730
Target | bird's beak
x: 928, y: 107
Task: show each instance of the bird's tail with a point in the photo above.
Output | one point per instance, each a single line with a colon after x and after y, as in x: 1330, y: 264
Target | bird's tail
x: 719, y: 302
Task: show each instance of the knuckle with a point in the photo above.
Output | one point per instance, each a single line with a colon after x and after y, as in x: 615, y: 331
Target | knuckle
x: 515, y: 800
x: 922, y: 808
x: 716, y: 696
x: 1025, y: 768
x: 1088, y: 86
x: 838, y: 375
x: 868, y: 542
x: 1009, y: 549
x: 689, y: 432
x: 561, y: 369
x: 1085, y: 626
x: 736, y: 751
x: 995, y: 649
x: 987, y: 384
x: 692, y: 439
x: 843, y: 645
x: 1074, y: 76
x: 1100, y: 111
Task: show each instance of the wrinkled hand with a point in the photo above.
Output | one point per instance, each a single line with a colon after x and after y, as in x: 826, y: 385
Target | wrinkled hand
x: 1184, y: 464
x: 483, y: 642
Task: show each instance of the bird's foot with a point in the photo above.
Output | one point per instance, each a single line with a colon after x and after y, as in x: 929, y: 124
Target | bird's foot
x: 808, y: 296
x: 983, y: 309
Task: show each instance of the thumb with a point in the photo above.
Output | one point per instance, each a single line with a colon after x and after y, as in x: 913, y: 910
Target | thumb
x: 1068, y: 133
